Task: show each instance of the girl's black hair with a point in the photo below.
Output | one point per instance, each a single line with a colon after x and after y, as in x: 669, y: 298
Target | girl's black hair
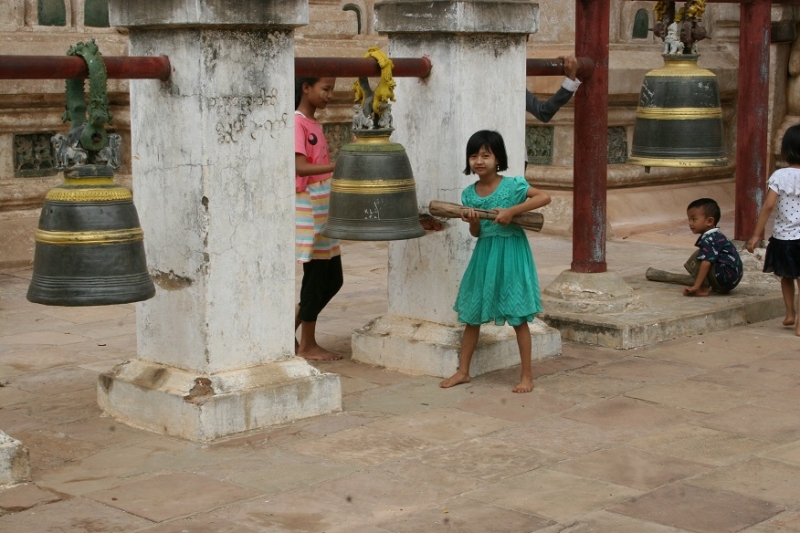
x: 790, y: 145
x: 298, y: 88
x: 493, y: 141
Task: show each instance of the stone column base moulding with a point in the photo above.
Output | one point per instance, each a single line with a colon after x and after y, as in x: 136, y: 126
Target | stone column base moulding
x: 15, y: 465
x: 575, y: 292
x: 179, y: 403
x: 415, y: 346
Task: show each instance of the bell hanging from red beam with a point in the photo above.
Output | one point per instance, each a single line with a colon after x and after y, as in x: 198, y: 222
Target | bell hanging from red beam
x: 89, y: 246
x: 373, y: 192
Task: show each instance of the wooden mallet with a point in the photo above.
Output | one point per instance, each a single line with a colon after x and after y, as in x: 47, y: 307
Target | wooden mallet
x: 528, y: 220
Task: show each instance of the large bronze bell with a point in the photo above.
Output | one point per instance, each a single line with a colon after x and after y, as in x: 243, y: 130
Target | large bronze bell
x: 373, y: 194
x: 89, y: 247
x: 679, y: 117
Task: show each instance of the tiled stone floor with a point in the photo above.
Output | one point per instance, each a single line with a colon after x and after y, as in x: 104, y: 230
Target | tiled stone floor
x: 697, y: 434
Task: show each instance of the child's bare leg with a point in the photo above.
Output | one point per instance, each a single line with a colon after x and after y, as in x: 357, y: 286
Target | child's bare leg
x: 525, y: 373
x: 797, y: 321
x: 468, y: 344
x: 296, y: 325
x: 308, y: 347
x: 787, y: 289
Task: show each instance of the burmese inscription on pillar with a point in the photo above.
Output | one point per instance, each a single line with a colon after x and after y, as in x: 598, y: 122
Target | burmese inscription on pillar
x: 248, y: 116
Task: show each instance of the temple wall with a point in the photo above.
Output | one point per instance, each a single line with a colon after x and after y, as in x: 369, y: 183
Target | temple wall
x: 31, y: 109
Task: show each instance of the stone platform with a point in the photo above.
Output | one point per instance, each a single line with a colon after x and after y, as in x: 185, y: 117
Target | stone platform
x: 697, y: 434
x: 659, y: 312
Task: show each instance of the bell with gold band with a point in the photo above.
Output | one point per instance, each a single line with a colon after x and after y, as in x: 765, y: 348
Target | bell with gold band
x: 89, y: 248
x: 679, y: 116
x: 373, y: 193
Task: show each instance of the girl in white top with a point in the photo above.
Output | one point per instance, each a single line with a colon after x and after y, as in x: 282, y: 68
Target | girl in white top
x: 783, y: 250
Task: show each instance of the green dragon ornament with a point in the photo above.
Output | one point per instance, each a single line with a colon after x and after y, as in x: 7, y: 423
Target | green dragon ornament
x: 87, y: 141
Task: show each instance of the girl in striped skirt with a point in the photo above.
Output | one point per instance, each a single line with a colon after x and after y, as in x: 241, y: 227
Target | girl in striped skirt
x: 320, y: 256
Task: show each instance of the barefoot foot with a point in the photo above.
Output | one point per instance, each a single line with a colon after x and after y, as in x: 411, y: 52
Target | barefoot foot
x: 702, y: 291
x: 456, y: 379
x: 525, y: 385
x: 319, y: 353
x: 788, y: 321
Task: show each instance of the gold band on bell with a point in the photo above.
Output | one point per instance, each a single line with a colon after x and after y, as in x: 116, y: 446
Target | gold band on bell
x: 677, y: 163
x: 89, y: 237
x: 681, y: 69
x: 372, y: 186
x: 678, y: 113
x: 110, y: 194
x: 377, y: 139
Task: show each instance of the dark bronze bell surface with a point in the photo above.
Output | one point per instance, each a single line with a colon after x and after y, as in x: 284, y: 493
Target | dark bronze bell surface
x: 373, y: 193
x: 679, y: 117
x: 89, y: 245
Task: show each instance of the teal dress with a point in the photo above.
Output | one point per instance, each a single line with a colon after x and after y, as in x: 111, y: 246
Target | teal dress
x: 500, y: 283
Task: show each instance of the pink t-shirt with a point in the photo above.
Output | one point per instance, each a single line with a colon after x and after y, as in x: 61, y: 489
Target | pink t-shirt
x: 310, y: 141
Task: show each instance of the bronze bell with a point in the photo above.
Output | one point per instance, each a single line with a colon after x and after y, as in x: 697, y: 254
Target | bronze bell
x: 679, y: 117
x: 89, y: 247
x: 373, y: 194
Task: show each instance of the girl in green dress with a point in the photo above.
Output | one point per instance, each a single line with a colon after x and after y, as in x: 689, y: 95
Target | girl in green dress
x: 500, y: 284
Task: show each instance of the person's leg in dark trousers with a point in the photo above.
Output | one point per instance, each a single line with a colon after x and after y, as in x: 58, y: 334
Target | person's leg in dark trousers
x: 322, y: 279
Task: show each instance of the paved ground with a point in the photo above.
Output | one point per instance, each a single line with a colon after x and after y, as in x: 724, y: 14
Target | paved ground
x: 697, y: 434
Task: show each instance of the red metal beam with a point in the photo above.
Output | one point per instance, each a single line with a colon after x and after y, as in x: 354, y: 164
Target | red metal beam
x: 351, y: 67
x: 590, y: 167
x: 72, y: 67
x: 555, y: 67
x: 752, y: 115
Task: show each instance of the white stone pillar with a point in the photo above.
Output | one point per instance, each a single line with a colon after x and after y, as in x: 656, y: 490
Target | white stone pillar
x: 213, y: 159
x: 477, y: 49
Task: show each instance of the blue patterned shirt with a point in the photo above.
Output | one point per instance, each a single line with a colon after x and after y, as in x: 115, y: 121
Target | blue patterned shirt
x: 720, y: 252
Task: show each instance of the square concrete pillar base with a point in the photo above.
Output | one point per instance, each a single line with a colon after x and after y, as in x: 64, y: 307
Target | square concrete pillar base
x: 15, y: 465
x: 419, y: 347
x: 201, y: 408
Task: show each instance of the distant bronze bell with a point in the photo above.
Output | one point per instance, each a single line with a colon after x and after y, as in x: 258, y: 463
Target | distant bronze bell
x: 89, y: 246
x: 373, y: 193
x: 679, y: 117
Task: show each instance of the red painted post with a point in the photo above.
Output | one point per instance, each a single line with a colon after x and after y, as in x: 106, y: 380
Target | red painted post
x: 752, y: 114
x: 590, y: 166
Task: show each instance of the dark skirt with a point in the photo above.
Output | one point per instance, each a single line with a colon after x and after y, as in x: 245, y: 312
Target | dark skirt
x: 783, y: 258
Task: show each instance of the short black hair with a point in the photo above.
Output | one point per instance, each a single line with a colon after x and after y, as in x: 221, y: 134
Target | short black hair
x: 710, y: 208
x: 298, y: 88
x: 493, y: 141
x: 790, y: 145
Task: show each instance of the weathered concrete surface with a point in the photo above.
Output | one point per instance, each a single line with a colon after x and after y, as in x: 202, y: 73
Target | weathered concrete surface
x: 176, y: 402
x: 651, y: 312
x: 419, y: 347
x: 696, y: 434
x: 14, y: 461
x: 215, y: 346
x: 188, y: 13
x: 574, y: 292
x: 461, y: 39
x: 669, y: 316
